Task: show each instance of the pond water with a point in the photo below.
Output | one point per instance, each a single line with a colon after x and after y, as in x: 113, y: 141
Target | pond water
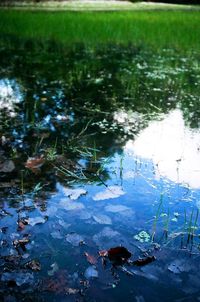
x: 99, y: 149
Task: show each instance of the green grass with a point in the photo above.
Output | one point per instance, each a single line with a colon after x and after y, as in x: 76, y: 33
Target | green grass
x: 157, y: 29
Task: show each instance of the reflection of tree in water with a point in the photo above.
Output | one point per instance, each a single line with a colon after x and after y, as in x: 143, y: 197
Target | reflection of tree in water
x: 75, y: 98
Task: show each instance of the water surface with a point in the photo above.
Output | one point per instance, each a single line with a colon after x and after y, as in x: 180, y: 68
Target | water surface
x: 99, y: 148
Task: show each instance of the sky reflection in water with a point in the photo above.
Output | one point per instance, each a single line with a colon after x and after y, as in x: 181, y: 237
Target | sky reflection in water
x: 173, y: 147
x: 149, y: 160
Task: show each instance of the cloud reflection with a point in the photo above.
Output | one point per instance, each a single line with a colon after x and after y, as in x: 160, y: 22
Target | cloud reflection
x: 173, y: 148
x: 10, y: 94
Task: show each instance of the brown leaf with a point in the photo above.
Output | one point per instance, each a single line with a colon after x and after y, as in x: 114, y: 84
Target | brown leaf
x: 118, y: 254
x: 103, y: 253
x: 90, y: 258
x: 22, y: 224
x: 144, y: 261
x: 21, y: 243
x: 34, y: 265
x: 34, y: 163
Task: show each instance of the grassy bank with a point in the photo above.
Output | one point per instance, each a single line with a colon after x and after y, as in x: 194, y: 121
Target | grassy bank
x: 158, y: 29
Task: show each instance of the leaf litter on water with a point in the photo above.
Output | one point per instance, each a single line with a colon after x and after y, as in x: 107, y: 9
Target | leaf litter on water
x: 74, y: 239
x: 74, y: 194
x: 109, y: 193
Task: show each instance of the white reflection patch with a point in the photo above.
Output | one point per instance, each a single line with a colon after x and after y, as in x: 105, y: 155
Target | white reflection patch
x: 10, y: 94
x: 173, y: 148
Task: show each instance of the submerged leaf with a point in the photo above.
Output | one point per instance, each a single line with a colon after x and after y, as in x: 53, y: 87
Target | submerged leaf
x: 18, y: 278
x: 103, y: 253
x: 144, y: 261
x: 54, y: 269
x: 68, y: 205
x: 74, y: 239
x: 91, y: 272
x: 102, y: 219
x: 90, y: 258
x: 110, y: 192
x: 179, y: 266
x: 34, y: 265
x: 7, y: 166
x: 36, y: 220
x: 103, y: 238
x: 116, y: 208
x: 74, y: 193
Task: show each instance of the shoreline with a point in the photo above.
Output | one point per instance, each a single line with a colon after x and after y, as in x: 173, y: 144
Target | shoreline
x: 85, y: 5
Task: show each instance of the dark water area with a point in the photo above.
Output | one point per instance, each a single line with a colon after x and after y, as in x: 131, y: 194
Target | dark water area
x: 99, y: 149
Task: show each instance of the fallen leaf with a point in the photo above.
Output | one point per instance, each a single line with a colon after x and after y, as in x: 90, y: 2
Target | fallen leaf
x: 109, y: 193
x: 54, y: 269
x: 21, y: 243
x: 144, y: 261
x: 90, y: 258
x: 103, y: 238
x: 34, y: 265
x: 68, y: 205
x: 102, y: 219
x: 116, y: 208
x: 22, y: 224
x: 74, y: 193
x: 74, y: 239
x: 179, y: 266
x: 36, y: 220
x: 35, y: 163
x: 18, y: 278
x: 103, y: 253
x: 7, y: 166
x: 56, y: 235
x: 58, y: 283
x: 119, y: 254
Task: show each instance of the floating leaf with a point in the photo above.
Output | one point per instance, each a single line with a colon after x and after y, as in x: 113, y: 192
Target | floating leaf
x: 64, y: 224
x: 36, y: 220
x: 70, y: 206
x: 21, y: 243
x: 74, y: 239
x: 7, y: 166
x: 110, y: 192
x: 179, y: 266
x: 103, y: 253
x: 18, y: 278
x: 34, y: 163
x: 90, y: 258
x: 56, y: 235
x: 22, y: 224
x: 103, y: 238
x: 54, y: 269
x: 118, y: 254
x: 102, y: 219
x: 34, y: 265
x: 144, y: 261
x: 74, y: 193
x: 116, y: 208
